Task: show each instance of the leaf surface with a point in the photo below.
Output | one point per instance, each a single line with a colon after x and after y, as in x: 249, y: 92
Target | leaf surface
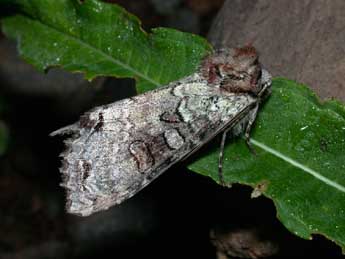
x: 299, y: 161
x: 101, y: 39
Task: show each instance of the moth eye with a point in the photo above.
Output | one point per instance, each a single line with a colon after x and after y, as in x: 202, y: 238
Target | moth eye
x: 259, y: 74
x: 256, y: 62
x: 217, y: 71
x: 236, y: 77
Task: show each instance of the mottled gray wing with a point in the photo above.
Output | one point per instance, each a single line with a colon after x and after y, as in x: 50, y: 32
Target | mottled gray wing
x: 117, y: 149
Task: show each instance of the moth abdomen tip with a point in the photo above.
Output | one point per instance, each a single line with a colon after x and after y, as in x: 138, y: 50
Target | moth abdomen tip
x: 70, y: 129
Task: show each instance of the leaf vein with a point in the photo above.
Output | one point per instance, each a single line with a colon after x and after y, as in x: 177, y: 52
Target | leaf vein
x: 102, y: 53
x: 299, y: 165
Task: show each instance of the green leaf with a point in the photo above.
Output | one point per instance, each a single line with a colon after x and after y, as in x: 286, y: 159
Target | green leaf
x: 300, y: 161
x: 101, y: 39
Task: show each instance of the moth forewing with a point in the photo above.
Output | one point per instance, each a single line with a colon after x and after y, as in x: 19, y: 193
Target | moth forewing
x: 117, y: 149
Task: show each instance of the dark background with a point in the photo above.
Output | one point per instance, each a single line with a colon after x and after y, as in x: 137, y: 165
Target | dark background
x: 173, y: 216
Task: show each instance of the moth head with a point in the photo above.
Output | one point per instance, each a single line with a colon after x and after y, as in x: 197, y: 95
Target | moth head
x: 236, y: 70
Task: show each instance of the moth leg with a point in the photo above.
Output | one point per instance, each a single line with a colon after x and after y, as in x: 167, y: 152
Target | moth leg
x: 221, y: 158
x: 251, y: 120
x: 249, y: 126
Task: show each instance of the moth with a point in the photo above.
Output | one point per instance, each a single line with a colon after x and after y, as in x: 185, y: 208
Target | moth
x: 117, y: 149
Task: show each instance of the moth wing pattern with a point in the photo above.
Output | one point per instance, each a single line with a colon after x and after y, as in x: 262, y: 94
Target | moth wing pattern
x: 117, y: 149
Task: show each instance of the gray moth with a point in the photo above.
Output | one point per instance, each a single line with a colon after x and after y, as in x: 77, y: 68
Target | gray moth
x: 117, y: 149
